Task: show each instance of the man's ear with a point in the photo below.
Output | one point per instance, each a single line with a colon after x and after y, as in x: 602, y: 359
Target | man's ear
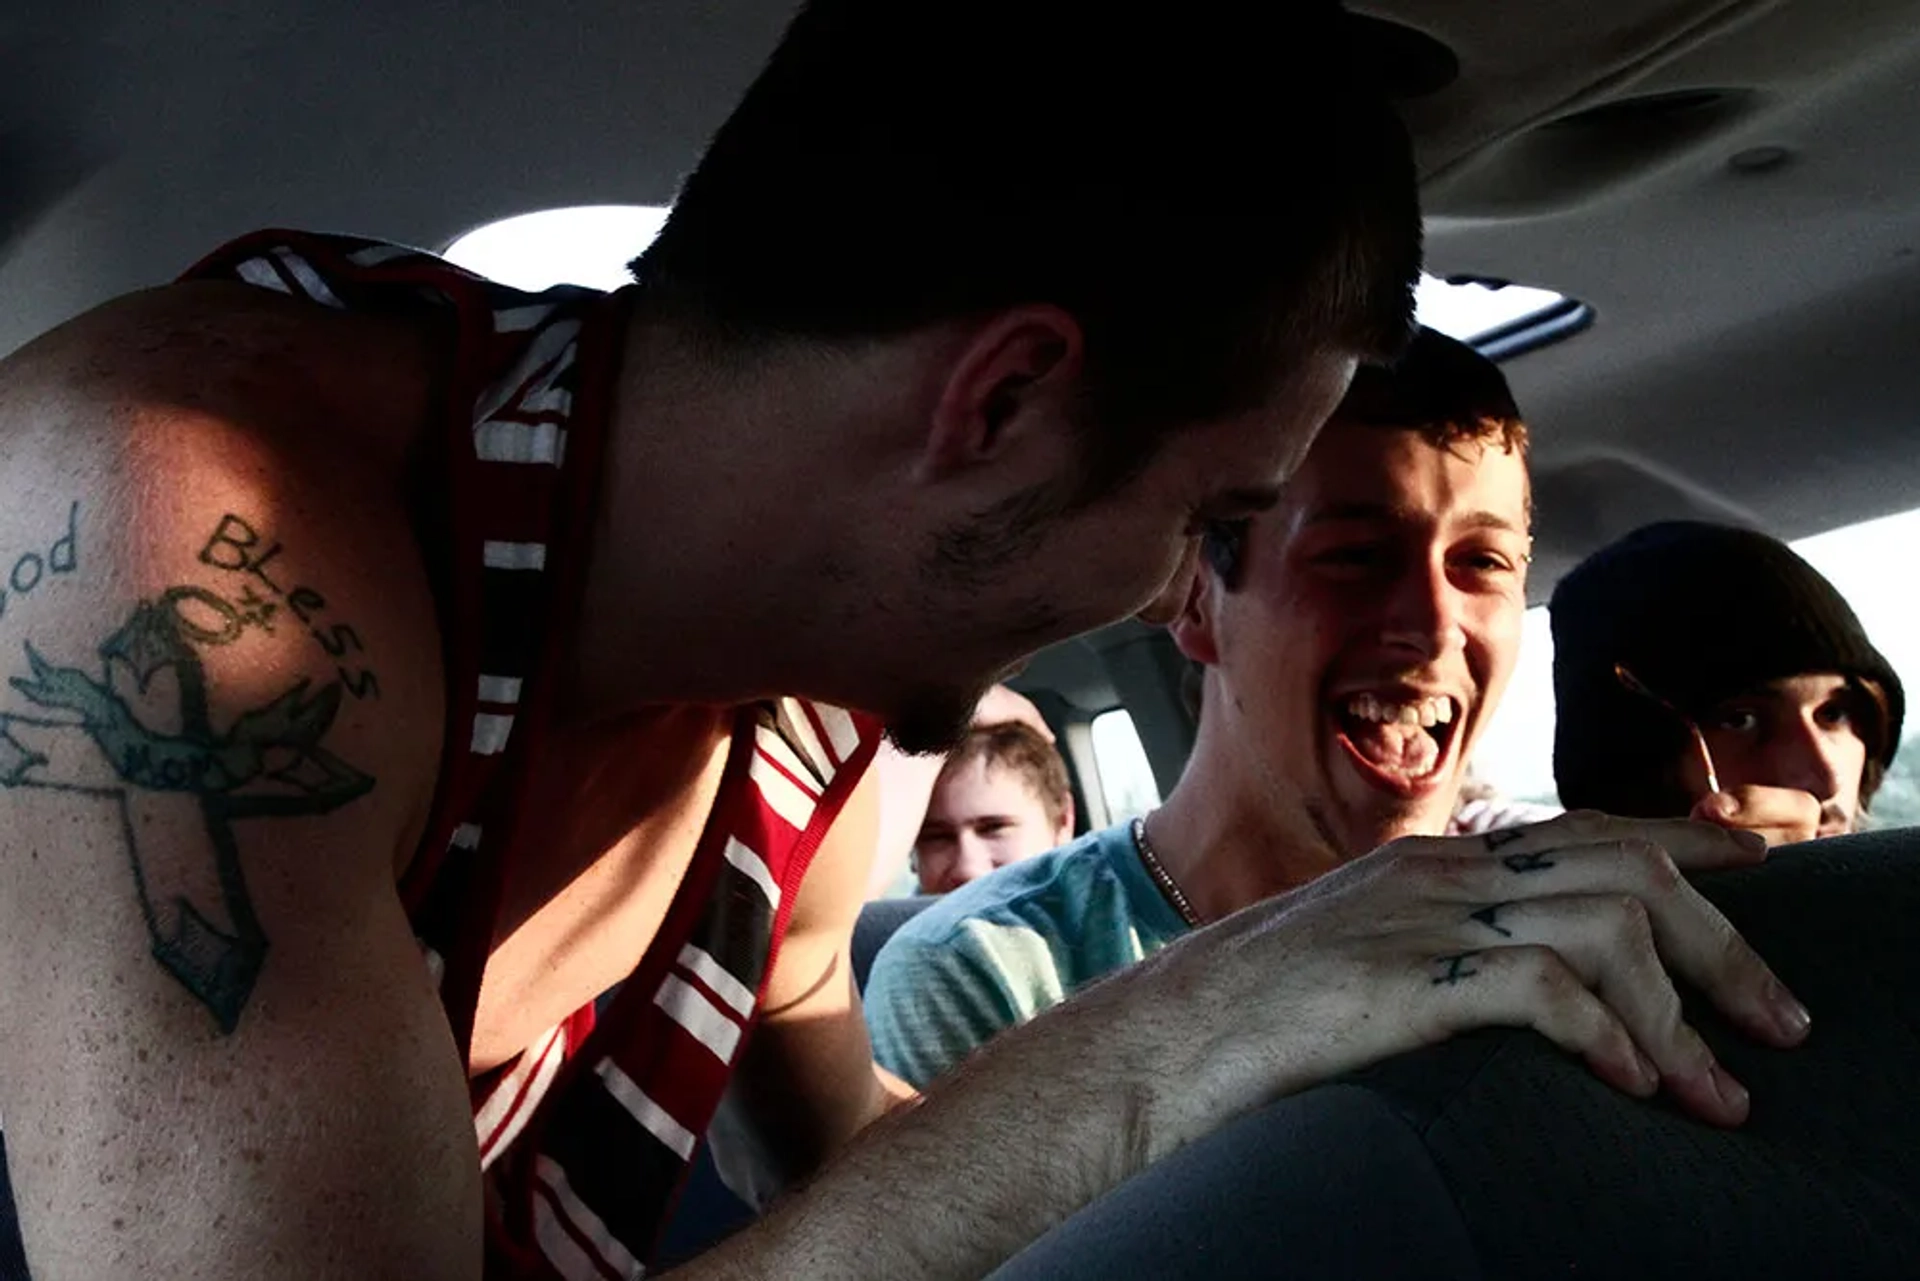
x: 1023, y: 364
x: 1193, y: 627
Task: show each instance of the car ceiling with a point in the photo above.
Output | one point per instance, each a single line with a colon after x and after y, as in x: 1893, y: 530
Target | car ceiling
x: 1753, y: 356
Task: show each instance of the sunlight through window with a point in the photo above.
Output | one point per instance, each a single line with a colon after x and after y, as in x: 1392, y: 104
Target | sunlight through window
x: 590, y: 245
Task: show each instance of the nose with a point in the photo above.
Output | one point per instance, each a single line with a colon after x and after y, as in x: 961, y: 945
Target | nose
x: 972, y: 859
x: 1421, y: 610
x: 1172, y: 596
x: 1804, y: 756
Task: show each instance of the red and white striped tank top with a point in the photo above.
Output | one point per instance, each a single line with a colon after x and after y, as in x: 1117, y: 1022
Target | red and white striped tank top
x: 588, y: 1134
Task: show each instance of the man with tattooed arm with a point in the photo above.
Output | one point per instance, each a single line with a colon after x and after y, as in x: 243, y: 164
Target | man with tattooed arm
x: 434, y: 659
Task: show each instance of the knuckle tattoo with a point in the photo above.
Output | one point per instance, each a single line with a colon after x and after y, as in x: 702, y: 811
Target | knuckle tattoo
x: 1522, y: 864
x: 1455, y: 968
x: 1502, y: 836
x: 1489, y: 916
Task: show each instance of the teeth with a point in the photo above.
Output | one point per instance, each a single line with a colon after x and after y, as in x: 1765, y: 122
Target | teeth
x: 1426, y: 713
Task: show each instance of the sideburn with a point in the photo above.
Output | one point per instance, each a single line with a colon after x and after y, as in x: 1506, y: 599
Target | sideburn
x: 973, y: 554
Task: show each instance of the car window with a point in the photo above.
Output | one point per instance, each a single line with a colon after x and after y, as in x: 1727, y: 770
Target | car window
x: 587, y: 245
x: 1126, y: 779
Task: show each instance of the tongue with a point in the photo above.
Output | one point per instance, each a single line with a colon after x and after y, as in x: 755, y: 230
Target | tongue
x: 1395, y: 748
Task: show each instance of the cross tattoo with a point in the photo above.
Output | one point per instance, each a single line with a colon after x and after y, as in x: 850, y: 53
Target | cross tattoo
x: 87, y: 741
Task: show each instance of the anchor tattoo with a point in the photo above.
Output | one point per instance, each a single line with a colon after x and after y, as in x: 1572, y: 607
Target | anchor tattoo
x: 268, y: 762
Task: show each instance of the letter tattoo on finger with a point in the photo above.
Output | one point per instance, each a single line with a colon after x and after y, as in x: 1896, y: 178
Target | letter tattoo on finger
x: 1489, y: 916
x: 1502, y: 836
x: 1521, y: 864
x: 1457, y: 968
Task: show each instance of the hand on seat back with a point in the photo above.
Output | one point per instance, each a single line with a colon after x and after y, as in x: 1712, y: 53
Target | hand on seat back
x: 1569, y: 926
x: 1778, y: 815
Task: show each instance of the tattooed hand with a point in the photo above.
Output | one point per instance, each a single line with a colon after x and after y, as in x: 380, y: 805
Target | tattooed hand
x: 1570, y: 927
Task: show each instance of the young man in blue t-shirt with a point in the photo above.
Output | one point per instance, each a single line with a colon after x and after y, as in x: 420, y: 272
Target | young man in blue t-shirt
x: 1354, y: 643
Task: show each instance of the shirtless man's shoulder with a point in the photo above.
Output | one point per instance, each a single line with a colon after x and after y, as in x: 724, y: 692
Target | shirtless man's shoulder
x: 220, y: 720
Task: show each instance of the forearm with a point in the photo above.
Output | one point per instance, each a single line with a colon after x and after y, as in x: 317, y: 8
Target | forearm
x: 1028, y: 1131
x: 762, y: 1151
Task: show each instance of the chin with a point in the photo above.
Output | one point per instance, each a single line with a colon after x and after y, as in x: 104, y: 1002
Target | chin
x: 1369, y: 811
x: 1367, y: 829
x: 934, y: 722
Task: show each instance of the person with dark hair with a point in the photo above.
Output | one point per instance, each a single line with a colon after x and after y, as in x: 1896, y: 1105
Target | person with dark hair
x: 1002, y: 797
x: 399, y: 664
x: 1352, y: 643
x: 1708, y: 670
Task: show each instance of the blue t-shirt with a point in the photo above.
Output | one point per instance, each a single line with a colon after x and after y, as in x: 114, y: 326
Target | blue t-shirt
x: 999, y: 950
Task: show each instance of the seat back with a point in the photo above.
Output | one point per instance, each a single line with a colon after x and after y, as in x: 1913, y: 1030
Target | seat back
x: 1502, y: 1143
x: 878, y: 921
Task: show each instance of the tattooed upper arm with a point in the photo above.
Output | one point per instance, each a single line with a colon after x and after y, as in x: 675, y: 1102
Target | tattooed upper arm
x: 128, y: 725
x: 220, y: 715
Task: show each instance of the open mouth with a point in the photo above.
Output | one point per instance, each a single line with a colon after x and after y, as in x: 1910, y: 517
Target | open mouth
x: 1401, y: 744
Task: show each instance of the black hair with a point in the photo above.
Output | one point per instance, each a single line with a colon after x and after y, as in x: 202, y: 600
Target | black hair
x: 1211, y: 192
x: 1439, y: 387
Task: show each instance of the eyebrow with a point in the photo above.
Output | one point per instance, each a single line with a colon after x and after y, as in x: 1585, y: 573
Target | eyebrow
x: 1389, y: 512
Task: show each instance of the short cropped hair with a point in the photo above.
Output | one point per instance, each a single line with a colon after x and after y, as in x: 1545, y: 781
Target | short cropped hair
x: 1020, y: 750
x: 1213, y: 192
x: 1440, y: 388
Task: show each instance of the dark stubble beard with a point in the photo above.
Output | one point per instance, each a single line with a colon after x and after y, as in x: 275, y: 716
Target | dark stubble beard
x: 966, y: 561
x: 933, y: 723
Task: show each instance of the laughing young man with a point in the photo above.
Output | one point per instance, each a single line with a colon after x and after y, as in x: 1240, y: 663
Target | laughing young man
x: 1355, y: 642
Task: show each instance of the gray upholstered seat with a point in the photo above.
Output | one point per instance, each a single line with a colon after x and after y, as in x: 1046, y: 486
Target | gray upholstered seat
x: 1496, y: 1156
